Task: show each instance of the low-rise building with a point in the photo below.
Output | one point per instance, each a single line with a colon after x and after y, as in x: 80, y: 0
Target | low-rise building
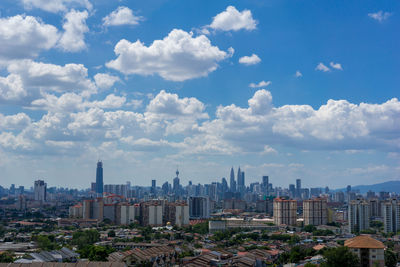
x: 369, y: 250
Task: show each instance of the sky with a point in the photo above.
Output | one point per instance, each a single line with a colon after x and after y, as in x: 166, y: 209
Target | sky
x: 289, y: 89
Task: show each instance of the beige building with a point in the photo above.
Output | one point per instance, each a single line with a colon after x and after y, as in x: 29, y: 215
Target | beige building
x: 177, y: 213
x: 370, y: 251
x: 151, y: 213
x: 285, y: 211
x: 315, y: 211
x: 391, y: 216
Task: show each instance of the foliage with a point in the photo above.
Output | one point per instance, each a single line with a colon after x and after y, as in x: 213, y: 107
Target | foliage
x: 95, y: 253
x: 308, y: 264
x: 340, y: 256
x: 376, y: 224
x: 323, y: 232
x: 200, y: 228
x: 84, y: 238
x: 390, y: 258
x: 309, y: 228
x: 281, y: 237
x: 6, y: 256
x: 296, y: 254
x: 368, y: 231
x: 336, y: 224
x: 111, y: 233
x: 45, y: 242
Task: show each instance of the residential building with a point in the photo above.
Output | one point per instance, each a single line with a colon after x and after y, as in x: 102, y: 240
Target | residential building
x: 359, y: 215
x: 40, y: 191
x: 199, y: 207
x: 370, y: 251
x: 391, y: 216
x: 177, y: 213
x: 315, y: 211
x: 285, y: 211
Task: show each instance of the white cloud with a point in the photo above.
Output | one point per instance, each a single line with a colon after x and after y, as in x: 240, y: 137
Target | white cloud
x: 11, y: 88
x: 260, y: 84
x: 51, y: 77
x: 121, y: 16
x: 55, y: 6
x: 177, y: 57
x: 14, y: 122
x: 233, y: 20
x: 322, y: 67
x: 250, y: 60
x: 25, y: 36
x: 380, y: 15
x: 73, y: 38
x: 110, y: 102
x: 105, y: 81
x: 337, y: 66
x: 298, y: 74
x: 135, y: 103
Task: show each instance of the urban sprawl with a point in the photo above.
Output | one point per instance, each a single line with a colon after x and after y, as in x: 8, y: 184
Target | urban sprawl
x: 218, y: 224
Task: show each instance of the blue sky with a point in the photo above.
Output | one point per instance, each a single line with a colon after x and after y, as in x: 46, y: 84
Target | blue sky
x: 289, y: 89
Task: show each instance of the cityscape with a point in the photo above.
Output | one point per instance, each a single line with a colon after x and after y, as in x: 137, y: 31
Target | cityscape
x: 175, y: 133
x: 176, y: 215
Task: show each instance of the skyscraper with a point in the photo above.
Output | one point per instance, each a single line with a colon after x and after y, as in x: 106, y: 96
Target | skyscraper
x: 232, y: 181
x: 40, y: 190
x: 153, y: 186
x: 176, y: 184
x: 358, y: 215
x: 265, y: 182
x: 99, y: 178
x: 240, y: 178
x: 298, y: 188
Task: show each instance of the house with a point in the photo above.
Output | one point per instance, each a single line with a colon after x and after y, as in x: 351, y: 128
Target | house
x: 369, y: 250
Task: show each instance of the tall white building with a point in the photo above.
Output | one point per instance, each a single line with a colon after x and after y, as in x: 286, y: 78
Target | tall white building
x: 127, y: 214
x: 359, y: 215
x: 391, y: 216
x: 40, y: 189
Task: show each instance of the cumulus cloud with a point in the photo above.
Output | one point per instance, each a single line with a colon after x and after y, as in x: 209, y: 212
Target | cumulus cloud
x: 233, y: 20
x: 177, y: 57
x: 51, y: 77
x: 380, y: 15
x: 105, y: 80
x: 337, y: 66
x: 298, y: 74
x: 55, y: 6
x: 18, y: 121
x: 25, y: 36
x: 121, y: 16
x: 73, y: 38
x: 11, y: 88
x: 322, y: 67
x: 260, y: 84
x: 249, y: 60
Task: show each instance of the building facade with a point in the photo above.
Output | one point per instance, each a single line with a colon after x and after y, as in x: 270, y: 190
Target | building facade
x: 391, y: 216
x: 40, y: 191
x: 315, y: 211
x: 359, y: 215
x: 285, y: 211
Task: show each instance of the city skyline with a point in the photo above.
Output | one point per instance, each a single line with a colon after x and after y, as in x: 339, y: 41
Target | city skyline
x: 280, y: 88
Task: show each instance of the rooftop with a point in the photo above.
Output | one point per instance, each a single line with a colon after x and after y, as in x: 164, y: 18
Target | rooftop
x: 364, y: 241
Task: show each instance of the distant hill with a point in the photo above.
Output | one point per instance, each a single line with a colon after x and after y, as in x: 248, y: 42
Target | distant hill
x: 390, y: 186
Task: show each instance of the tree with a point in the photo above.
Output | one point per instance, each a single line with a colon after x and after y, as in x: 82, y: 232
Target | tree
x: 6, y: 256
x: 340, y: 256
x: 390, y: 258
x: 309, y: 228
x: 45, y: 242
x: 84, y: 238
x: 308, y: 264
x: 111, y: 233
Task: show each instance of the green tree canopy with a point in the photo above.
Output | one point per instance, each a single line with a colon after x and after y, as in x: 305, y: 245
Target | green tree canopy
x: 340, y: 256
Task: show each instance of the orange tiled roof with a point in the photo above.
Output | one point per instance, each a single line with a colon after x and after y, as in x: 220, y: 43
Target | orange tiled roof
x: 363, y: 241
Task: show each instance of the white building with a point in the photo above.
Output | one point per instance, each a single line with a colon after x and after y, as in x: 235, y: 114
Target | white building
x: 40, y: 189
x: 358, y: 215
x: 127, y: 214
x: 391, y: 216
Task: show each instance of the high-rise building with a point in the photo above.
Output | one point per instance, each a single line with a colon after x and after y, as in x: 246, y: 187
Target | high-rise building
x: 298, y: 188
x: 153, y: 187
x: 265, y: 184
x: 40, y: 190
x: 348, y: 189
x: 315, y: 211
x: 391, y: 216
x: 292, y: 191
x: 358, y: 215
x: 241, y: 182
x: 224, y: 185
x: 118, y: 189
x: 151, y: 213
x: 176, y: 184
x: 99, y: 178
x: 176, y: 213
x: 232, y: 181
x: 199, y: 207
x: 285, y: 211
